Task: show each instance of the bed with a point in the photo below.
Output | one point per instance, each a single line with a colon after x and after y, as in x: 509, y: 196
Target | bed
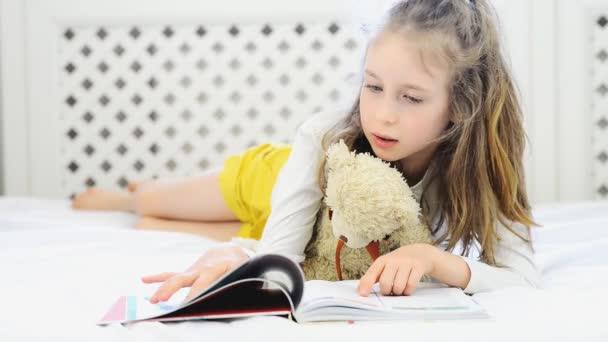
x: 61, y: 268
x: 99, y: 93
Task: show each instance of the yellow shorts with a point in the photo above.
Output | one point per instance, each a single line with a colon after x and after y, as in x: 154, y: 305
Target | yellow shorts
x: 246, y: 183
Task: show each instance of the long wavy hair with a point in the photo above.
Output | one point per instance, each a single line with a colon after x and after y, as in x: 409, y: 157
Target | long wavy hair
x: 478, y: 163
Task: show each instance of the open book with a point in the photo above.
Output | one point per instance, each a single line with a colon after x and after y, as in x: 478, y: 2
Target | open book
x: 272, y: 284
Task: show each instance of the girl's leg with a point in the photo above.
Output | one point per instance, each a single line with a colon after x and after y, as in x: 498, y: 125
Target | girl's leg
x: 220, y: 231
x: 101, y: 199
x: 197, y: 198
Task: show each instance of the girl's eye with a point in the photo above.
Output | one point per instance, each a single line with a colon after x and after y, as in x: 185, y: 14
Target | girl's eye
x: 373, y: 88
x: 412, y: 99
x: 377, y: 89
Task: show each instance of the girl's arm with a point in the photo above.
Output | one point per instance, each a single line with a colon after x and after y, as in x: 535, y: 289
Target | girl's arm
x: 515, y: 255
x: 450, y: 269
x: 399, y: 271
x: 474, y: 276
x: 295, y: 200
x: 296, y: 197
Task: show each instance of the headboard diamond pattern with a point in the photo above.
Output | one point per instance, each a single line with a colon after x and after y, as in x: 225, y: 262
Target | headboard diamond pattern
x: 599, y: 107
x: 152, y: 100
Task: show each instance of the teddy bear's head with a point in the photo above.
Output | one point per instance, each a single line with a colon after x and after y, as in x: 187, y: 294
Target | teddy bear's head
x: 367, y: 199
x: 367, y: 207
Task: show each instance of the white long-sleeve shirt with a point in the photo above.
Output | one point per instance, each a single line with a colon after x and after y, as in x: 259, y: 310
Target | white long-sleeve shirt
x: 296, y: 198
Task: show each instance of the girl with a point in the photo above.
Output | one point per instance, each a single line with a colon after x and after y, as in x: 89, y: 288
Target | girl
x: 437, y: 101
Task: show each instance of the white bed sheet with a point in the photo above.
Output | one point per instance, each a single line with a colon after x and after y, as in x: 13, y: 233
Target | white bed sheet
x: 60, y: 269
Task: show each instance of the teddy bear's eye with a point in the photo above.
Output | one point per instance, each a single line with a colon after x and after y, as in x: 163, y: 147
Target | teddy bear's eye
x: 330, y: 213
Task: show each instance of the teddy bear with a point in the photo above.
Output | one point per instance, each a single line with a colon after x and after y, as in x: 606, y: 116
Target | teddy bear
x: 368, y: 210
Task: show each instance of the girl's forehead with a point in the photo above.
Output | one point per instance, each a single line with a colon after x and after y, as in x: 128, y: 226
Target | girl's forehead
x: 394, y: 57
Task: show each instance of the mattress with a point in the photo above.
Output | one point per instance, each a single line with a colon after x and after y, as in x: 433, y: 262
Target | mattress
x: 60, y: 269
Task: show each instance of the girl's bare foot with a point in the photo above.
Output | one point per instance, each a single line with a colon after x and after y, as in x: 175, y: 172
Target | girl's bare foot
x: 100, y: 199
x: 134, y: 186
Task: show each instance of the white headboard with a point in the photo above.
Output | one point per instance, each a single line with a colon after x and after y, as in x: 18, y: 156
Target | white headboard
x: 101, y: 92
x: 582, y: 98
x: 120, y: 91
x: 599, y: 102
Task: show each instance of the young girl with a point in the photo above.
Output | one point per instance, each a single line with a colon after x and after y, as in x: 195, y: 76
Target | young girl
x: 437, y: 101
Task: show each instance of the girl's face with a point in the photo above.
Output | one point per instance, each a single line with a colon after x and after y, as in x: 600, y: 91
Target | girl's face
x: 403, y: 102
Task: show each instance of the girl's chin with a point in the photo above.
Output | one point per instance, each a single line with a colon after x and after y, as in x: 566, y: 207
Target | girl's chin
x: 388, y: 156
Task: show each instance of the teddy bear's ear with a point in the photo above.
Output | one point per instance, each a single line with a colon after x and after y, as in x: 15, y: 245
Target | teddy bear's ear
x: 339, y: 156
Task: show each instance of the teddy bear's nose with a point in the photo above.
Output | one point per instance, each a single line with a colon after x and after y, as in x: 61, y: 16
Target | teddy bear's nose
x: 344, y: 238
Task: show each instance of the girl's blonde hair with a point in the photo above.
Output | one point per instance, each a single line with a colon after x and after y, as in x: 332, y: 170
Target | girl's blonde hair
x: 478, y: 164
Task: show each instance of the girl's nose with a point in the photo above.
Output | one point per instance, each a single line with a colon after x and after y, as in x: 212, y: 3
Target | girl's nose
x: 386, y: 114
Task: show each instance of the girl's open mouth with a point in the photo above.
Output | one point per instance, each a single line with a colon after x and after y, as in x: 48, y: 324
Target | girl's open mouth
x: 384, y: 142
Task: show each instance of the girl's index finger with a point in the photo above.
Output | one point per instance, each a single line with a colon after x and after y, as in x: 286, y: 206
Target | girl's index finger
x: 172, y: 285
x: 157, y: 278
x: 371, y: 277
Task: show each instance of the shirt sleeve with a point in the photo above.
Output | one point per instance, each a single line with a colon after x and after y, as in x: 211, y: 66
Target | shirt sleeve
x: 516, y: 258
x: 296, y: 196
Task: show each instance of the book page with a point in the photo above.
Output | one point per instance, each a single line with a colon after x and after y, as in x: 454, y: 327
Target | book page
x: 130, y: 308
x: 340, y: 301
x: 319, y: 293
x: 428, y: 298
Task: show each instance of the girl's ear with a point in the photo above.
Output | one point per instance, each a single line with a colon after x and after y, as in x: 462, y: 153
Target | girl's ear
x: 449, y: 125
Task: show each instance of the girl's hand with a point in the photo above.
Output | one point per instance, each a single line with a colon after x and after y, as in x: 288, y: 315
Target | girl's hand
x: 207, y: 269
x: 400, y: 270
